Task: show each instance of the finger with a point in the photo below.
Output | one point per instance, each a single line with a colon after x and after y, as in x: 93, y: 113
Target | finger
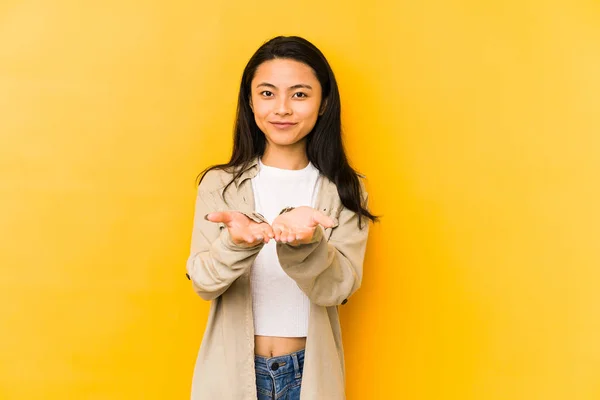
x: 277, y: 232
x: 323, y: 220
x: 303, y: 236
x: 265, y: 238
x: 219, y: 216
x: 265, y: 229
x: 241, y: 239
x: 284, y: 234
x: 300, y: 236
x: 291, y: 237
x: 255, y: 241
x: 269, y: 231
x: 249, y: 237
x: 259, y: 234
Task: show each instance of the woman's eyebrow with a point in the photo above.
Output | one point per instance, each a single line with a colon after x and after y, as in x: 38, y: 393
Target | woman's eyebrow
x: 301, y: 86
x: 298, y: 86
x: 269, y: 85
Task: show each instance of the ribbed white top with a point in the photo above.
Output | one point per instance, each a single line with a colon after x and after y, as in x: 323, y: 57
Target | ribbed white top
x: 280, y: 307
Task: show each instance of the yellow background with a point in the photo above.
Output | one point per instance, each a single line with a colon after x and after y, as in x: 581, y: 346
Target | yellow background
x: 477, y: 124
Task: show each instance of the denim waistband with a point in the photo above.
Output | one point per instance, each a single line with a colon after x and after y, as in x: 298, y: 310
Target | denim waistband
x: 280, y: 365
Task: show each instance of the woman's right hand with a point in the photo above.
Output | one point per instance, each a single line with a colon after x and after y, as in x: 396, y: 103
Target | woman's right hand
x: 242, y: 230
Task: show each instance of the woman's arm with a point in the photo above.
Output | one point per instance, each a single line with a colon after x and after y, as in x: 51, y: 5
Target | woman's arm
x: 329, y: 272
x: 216, y: 261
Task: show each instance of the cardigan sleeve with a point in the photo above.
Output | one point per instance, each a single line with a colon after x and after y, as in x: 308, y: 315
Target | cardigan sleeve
x: 329, y: 271
x: 215, y: 261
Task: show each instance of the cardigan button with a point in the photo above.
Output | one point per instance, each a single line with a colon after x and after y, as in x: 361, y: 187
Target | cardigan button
x: 344, y: 301
x: 274, y: 366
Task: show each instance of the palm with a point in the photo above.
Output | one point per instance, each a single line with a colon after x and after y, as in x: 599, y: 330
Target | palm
x: 298, y: 226
x: 242, y: 230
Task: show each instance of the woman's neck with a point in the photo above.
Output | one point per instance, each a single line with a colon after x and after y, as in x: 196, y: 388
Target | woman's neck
x: 285, y: 157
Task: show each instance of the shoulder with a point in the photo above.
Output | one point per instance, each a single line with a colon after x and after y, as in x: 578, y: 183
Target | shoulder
x: 215, y: 179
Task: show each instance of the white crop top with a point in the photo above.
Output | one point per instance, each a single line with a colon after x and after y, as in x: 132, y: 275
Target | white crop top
x: 280, y: 308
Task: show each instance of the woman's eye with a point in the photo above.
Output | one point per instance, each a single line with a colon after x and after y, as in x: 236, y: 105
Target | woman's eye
x: 300, y: 94
x: 266, y: 93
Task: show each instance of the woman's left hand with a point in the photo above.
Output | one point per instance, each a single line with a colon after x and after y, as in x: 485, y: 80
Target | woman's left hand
x: 298, y: 226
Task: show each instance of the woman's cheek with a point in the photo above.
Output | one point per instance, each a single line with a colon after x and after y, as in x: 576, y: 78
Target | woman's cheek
x: 309, y: 109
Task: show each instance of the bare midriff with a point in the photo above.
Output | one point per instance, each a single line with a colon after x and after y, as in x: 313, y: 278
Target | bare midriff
x: 272, y: 346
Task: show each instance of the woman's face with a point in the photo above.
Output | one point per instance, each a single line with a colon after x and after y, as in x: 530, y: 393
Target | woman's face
x: 285, y: 97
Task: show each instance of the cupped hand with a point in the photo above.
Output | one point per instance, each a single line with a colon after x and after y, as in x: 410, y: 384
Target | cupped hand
x: 242, y: 230
x: 298, y: 225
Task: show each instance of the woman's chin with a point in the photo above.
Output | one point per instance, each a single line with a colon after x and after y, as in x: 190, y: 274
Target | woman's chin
x: 284, y: 139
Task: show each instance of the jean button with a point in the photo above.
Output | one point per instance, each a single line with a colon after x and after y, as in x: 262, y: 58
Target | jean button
x: 274, y: 366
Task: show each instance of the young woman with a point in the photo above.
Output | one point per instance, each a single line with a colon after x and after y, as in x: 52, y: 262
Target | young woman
x: 279, y: 236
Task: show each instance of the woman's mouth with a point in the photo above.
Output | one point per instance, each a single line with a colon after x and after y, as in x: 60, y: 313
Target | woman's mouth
x: 283, y: 125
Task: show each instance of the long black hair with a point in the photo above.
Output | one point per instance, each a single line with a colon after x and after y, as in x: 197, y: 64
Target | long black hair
x: 324, y: 145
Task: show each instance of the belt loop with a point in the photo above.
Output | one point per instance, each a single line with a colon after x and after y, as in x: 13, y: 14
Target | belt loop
x: 296, y: 365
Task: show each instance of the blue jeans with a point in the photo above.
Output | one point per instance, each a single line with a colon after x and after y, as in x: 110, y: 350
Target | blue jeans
x: 279, y: 377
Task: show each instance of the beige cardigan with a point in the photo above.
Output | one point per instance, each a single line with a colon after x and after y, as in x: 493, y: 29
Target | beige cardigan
x: 329, y: 270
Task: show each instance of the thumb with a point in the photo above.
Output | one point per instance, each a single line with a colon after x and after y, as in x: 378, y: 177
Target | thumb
x: 220, y: 216
x: 321, y: 219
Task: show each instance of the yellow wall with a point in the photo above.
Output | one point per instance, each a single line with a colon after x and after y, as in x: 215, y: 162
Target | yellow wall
x: 477, y: 124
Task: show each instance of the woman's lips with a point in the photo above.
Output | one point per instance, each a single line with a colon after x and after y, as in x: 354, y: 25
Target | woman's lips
x: 283, y: 125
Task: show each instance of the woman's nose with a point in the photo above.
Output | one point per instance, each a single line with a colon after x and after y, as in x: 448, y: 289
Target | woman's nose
x: 282, y: 107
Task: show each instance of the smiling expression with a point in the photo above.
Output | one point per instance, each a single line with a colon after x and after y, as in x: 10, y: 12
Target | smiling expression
x: 285, y: 99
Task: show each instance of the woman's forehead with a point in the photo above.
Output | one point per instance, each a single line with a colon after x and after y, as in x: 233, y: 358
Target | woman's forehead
x: 285, y: 73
